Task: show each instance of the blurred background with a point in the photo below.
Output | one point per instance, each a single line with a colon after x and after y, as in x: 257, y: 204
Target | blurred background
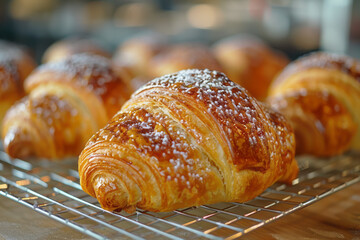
x: 293, y: 26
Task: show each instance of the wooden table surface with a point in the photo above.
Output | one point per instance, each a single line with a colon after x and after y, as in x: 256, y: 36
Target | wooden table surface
x: 334, y: 217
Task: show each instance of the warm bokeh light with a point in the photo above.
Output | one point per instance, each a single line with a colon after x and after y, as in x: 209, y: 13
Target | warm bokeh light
x: 23, y: 182
x: 45, y: 178
x: 96, y: 13
x: 132, y: 14
x: 204, y: 16
x: 29, y: 198
x: 25, y: 9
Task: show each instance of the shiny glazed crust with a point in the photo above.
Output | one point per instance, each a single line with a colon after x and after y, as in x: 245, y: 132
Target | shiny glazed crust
x: 320, y: 94
x: 186, y: 139
x: 68, y: 101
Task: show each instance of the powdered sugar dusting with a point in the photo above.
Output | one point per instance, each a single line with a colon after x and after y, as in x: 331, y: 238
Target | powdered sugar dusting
x: 157, y: 136
x: 321, y: 60
x: 238, y: 114
x: 184, y: 130
x: 8, y: 70
x: 89, y: 71
x: 250, y: 132
x: 10, y: 54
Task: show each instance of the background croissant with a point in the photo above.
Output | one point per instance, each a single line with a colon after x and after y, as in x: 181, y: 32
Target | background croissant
x: 133, y: 57
x: 186, y: 139
x: 15, y: 65
x: 68, y: 101
x: 320, y: 95
x: 183, y: 56
x: 136, y: 53
x: 249, y: 62
x: 70, y: 46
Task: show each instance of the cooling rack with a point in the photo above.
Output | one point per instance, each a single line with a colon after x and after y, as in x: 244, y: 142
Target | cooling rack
x: 53, y: 189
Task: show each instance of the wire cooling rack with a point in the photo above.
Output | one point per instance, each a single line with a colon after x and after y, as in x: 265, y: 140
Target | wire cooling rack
x: 53, y: 189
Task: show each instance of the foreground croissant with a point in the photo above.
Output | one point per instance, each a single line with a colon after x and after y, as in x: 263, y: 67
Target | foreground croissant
x: 68, y: 101
x: 320, y: 95
x: 186, y: 139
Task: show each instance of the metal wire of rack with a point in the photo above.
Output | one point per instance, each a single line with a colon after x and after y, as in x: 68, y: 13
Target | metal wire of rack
x: 52, y: 188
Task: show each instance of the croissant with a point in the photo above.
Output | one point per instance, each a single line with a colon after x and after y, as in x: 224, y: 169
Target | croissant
x: 70, y: 46
x: 68, y: 101
x: 249, y: 62
x: 320, y: 95
x: 183, y: 56
x: 136, y: 53
x: 186, y: 139
x: 15, y: 65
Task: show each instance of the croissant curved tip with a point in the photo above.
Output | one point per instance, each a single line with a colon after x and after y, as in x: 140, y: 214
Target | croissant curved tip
x: 18, y: 143
x: 111, y: 192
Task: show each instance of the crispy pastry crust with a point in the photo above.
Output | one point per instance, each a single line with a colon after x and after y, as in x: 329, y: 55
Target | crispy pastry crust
x: 320, y: 94
x: 186, y: 139
x: 68, y: 101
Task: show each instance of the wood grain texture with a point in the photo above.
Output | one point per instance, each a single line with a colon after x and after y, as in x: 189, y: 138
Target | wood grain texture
x: 23, y: 223
x: 334, y: 217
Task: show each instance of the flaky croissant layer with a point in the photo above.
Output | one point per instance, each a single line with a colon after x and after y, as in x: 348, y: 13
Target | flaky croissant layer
x: 187, y: 139
x: 320, y: 95
x: 67, y: 102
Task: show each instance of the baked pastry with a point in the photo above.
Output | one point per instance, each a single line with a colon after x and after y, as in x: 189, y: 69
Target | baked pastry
x: 181, y: 57
x: 320, y: 95
x: 136, y: 53
x: 249, y: 62
x: 15, y: 65
x: 67, y: 102
x: 70, y: 46
x: 186, y: 139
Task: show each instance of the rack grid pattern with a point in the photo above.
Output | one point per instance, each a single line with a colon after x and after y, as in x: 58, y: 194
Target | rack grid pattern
x: 52, y: 188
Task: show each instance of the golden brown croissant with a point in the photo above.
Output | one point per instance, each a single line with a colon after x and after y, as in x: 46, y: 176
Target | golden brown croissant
x: 320, y: 95
x: 186, y: 139
x: 15, y: 65
x: 249, y: 62
x: 183, y: 56
x: 70, y: 46
x: 68, y: 101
